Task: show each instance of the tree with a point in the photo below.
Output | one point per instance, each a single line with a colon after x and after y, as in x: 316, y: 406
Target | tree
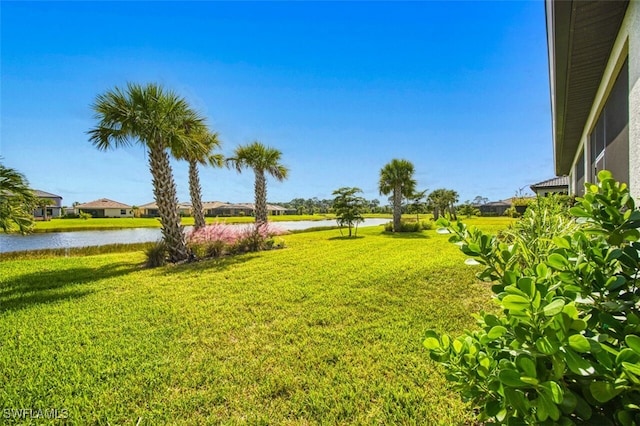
x: 443, y: 200
x: 480, y: 200
x: 468, y: 209
x: 200, y: 152
x: 348, y: 208
x: 16, y: 201
x: 396, y: 178
x: 416, y: 203
x: 262, y: 159
x: 43, y: 203
x: 159, y: 120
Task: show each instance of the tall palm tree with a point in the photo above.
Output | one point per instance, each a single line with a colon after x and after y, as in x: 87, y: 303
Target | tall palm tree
x: 200, y: 152
x: 262, y: 159
x: 396, y: 177
x: 17, y: 201
x: 159, y: 120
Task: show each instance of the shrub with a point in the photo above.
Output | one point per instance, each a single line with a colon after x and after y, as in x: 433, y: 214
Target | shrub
x: 156, y: 255
x: 565, y: 348
x: 218, y: 239
x: 85, y: 216
x: 426, y: 225
x: 511, y: 212
x: 407, y: 226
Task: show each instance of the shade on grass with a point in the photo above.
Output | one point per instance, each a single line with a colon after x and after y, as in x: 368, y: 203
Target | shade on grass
x: 325, y: 331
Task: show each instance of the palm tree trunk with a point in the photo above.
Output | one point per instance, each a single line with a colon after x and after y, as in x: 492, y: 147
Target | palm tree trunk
x: 397, y: 208
x: 196, y: 195
x: 260, y: 188
x: 164, y: 191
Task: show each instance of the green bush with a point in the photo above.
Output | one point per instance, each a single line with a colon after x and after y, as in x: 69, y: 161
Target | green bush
x: 85, y: 216
x: 156, y: 255
x: 565, y: 348
x: 407, y: 226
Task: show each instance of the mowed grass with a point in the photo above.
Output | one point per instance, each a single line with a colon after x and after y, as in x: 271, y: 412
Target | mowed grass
x: 60, y: 225
x: 326, y: 331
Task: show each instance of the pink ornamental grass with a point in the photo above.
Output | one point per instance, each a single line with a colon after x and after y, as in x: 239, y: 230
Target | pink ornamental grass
x: 231, y: 234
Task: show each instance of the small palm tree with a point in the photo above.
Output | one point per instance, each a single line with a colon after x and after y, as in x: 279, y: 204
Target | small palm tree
x: 17, y: 201
x: 262, y: 159
x: 200, y: 152
x: 159, y: 120
x: 396, y: 178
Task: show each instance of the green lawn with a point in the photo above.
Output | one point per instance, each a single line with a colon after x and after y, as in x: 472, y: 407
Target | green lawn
x: 326, y: 331
x: 58, y: 225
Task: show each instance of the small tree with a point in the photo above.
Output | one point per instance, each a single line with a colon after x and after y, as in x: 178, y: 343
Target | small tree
x: 348, y: 208
x: 416, y: 203
x: 468, y: 210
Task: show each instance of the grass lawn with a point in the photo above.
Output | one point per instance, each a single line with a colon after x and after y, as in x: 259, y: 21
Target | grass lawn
x: 326, y: 331
x: 60, y: 225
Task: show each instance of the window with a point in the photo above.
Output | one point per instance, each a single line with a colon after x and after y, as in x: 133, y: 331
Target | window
x: 123, y: 212
x: 609, y: 141
x: 579, y: 173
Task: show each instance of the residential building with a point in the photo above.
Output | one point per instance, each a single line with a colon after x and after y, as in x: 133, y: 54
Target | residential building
x: 594, y: 67
x: 151, y: 209
x: 105, y: 208
x: 218, y: 208
x: 556, y: 185
x: 53, y: 207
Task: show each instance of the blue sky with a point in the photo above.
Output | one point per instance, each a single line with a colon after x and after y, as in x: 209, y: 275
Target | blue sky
x: 458, y: 88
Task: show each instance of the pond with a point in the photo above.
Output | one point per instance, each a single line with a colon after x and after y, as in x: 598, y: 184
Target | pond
x: 52, y: 240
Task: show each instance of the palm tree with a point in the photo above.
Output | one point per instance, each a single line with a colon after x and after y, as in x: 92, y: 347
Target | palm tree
x: 262, y: 159
x: 17, y: 201
x: 397, y: 177
x: 159, y: 120
x: 443, y: 200
x: 200, y: 152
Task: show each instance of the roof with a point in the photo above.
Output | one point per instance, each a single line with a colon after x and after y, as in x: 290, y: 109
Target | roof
x: 580, y: 37
x: 556, y: 182
x: 154, y: 205
x: 506, y: 202
x: 103, y: 203
x: 43, y: 194
x: 250, y: 206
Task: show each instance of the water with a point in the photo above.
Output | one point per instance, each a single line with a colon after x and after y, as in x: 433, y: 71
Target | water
x: 52, y: 240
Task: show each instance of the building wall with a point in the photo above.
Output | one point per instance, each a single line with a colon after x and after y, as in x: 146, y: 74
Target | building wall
x: 627, y: 45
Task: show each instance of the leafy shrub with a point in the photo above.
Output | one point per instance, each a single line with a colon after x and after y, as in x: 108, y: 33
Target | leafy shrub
x: 468, y: 210
x: 405, y: 226
x: 426, y: 225
x: 565, y: 348
x: 156, y: 255
x: 511, y: 212
x: 85, y: 216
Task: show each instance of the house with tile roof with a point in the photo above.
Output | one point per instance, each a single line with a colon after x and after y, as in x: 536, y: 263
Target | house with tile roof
x: 105, y: 208
x: 556, y: 185
x: 151, y: 209
x: 54, y: 207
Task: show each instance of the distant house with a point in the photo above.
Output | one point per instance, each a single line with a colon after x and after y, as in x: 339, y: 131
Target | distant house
x: 53, y: 209
x: 105, y: 208
x: 218, y: 208
x: 151, y: 209
x: 495, y: 208
x: 556, y: 185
